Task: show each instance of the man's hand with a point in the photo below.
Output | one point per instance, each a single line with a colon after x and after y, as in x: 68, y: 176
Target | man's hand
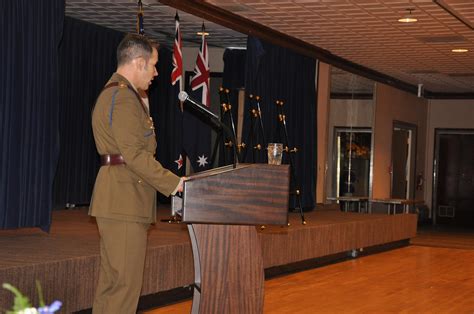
x: 180, y: 185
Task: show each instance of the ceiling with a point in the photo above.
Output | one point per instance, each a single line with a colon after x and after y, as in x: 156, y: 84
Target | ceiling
x: 364, y: 32
x: 159, y: 21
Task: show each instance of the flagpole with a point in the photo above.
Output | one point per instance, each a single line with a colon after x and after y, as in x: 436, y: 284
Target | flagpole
x: 140, y: 25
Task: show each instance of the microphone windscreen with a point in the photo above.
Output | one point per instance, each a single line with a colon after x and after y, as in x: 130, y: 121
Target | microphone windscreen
x: 182, y: 95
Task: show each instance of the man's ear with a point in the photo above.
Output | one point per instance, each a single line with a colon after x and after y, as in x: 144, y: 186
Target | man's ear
x: 140, y: 63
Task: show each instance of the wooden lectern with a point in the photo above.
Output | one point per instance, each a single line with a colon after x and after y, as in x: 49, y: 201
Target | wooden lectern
x: 222, y: 207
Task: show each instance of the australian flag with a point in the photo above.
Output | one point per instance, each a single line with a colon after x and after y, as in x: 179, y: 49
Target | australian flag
x: 197, y: 134
x: 177, y: 83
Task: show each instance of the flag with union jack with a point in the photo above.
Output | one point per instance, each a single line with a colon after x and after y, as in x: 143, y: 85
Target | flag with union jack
x: 197, y: 134
x: 178, y: 166
x: 177, y: 74
x: 201, y: 77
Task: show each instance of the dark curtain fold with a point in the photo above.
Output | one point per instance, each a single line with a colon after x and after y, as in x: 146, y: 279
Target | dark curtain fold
x: 165, y: 111
x: 87, y: 58
x: 233, y: 76
x: 275, y: 73
x: 233, y: 79
x: 29, y: 103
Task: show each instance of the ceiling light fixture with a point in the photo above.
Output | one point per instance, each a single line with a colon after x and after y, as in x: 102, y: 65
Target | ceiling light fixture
x: 459, y: 50
x: 408, y: 18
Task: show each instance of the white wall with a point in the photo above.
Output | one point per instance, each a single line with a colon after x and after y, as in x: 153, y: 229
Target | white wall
x: 391, y: 105
x: 216, y: 63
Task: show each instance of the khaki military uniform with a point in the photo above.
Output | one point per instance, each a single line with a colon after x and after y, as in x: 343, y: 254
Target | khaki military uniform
x: 124, y: 197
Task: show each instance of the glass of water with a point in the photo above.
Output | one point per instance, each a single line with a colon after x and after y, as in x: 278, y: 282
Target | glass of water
x: 275, y: 151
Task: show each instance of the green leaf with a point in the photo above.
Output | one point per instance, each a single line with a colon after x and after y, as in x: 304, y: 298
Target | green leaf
x: 40, y: 293
x: 20, y: 302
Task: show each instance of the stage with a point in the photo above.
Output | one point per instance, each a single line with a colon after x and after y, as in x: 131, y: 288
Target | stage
x: 66, y: 261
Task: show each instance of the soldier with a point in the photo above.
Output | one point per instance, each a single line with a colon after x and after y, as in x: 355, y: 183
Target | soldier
x: 124, y: 197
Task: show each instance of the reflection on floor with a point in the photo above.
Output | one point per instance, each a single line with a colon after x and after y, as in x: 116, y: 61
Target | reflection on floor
x: 435, y: 274
x: 444, y: 236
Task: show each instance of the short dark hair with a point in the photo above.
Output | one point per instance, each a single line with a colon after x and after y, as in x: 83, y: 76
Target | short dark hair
x: 133, y: 46
x: 155, y: 44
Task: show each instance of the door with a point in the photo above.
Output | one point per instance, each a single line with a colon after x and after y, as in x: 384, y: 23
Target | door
x: 454, y: 180
x: 400, y: 145
x: 403, y: 160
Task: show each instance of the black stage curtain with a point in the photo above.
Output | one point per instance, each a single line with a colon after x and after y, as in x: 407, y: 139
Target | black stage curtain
x: 29, y: 103
x: 87, y: 59
x: 84, y: 70
x: 166, y: 113
x: 233, y: 78
x: 275, y: 73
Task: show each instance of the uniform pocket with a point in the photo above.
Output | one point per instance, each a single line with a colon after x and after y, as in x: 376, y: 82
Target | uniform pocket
x: 132, y: 196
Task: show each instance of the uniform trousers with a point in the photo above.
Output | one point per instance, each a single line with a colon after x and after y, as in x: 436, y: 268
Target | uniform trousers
x: 122, y: 260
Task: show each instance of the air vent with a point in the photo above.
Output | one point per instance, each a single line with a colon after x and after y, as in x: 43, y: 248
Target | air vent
x: 442, y: 39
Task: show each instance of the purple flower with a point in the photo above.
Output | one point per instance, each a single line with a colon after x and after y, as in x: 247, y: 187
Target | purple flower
x: 55, y: 306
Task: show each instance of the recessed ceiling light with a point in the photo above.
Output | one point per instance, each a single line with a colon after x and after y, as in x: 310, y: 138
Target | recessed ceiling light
x: 460, y: 50
x: 408, y: 18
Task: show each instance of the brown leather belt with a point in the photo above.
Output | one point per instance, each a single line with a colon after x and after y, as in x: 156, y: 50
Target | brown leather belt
x: 111, y: 160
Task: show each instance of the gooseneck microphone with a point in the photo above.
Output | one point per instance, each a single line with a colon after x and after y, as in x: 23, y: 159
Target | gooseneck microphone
x: 210, y: 117
x: 184, y: 97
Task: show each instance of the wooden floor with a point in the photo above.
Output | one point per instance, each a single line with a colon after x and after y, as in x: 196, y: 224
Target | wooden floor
x: 443, y: 236
x: 413, y: 279
x: 66, y: 261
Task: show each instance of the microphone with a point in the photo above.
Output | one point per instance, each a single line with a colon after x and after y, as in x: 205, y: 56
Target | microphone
x: 184, y: 97
x: 212, y: 118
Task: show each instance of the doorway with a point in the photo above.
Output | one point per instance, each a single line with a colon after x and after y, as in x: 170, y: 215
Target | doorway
x: 453, y: 178
x: 403, y: 160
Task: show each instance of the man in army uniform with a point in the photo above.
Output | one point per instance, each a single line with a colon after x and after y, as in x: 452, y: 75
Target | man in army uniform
x: 124, y: 197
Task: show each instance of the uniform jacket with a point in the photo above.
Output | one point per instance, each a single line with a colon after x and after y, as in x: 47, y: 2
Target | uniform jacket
x: 122, y: 126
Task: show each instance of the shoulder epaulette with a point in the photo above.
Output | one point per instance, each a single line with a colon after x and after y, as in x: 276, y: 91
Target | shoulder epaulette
x: 122, y: 85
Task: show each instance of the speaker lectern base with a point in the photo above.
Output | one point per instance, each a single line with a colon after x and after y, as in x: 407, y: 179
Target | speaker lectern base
x: 222, y: 207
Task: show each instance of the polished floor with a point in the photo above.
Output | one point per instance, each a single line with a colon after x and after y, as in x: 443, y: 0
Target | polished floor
x: 413, y: 279
x: 66, y: 260
x: 444, y: 236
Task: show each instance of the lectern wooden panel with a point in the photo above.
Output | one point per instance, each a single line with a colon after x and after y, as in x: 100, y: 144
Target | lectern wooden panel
x: 252, y: 194
x: 221, y: 207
